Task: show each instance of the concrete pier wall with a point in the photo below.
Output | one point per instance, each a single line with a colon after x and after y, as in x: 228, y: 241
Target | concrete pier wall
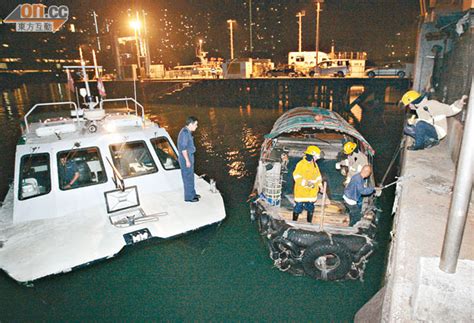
x: 330, y: 93
x: 415, y: 288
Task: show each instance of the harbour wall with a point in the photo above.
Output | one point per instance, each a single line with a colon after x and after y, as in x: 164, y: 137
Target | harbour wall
x: 331, y: 93
x: 415, y: 289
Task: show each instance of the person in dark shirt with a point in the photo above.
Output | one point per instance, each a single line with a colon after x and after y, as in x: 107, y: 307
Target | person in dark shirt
x: 186, y: 150
x: 354, y: 192
x: 68, y: 173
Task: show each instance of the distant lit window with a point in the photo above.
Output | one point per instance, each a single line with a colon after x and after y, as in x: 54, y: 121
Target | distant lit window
x: 132, y: 159
x: 35, y: 176
x: 165, y: 152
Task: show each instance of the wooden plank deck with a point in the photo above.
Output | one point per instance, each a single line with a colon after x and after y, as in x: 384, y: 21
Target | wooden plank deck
x: 334, y: 214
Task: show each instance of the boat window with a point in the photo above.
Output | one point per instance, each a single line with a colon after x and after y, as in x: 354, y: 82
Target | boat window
x: 35, y: 176
x: 132, y: 159
x: 165, y: 153
x: 80, y: 167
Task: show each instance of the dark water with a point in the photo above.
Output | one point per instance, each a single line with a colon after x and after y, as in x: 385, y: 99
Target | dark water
x: 218, y: 273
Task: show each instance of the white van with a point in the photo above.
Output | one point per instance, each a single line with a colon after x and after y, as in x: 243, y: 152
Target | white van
x: 339, y: 67
x: 304, y: 61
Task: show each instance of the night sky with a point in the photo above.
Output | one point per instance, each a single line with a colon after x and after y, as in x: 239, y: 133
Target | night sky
x: 385, y: 29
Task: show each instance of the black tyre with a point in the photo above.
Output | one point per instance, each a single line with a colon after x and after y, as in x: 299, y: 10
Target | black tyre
x: 401, y: 74
x: 252, y: 213
x: 340, y: 74
x: 311, y: 74
x: 284, y: 246
x: 371, y: 74
x: 306, y: 238
x: 327, y: 261
x: 262, y: 222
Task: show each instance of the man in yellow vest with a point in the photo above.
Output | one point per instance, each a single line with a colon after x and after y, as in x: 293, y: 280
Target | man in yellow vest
x: 308, y: 181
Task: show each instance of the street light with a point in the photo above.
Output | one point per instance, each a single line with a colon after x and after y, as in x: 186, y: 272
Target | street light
x: 231, y: 27
x: 136, y: 24
x: 318, y: 10
x: 200, y: 46
x: 300, y: 15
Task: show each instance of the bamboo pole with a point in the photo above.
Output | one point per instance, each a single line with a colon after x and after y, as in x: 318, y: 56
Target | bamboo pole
x: 323, y: 206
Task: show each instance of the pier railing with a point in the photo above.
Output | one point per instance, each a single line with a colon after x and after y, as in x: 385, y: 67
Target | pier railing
x: 461, y: 195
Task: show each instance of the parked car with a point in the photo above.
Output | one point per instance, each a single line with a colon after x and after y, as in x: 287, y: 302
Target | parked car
x: 282, y: 71
x: 392, y: 69
x: 335, y: 67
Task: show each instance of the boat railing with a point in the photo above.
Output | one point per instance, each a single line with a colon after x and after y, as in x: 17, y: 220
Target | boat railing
x: 45, y: 105
x: 126, y: 100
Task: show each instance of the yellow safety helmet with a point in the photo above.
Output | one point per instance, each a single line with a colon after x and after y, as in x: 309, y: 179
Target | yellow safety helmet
x: 313, y: 150
x: 349, y: 147
x: 409, y: 97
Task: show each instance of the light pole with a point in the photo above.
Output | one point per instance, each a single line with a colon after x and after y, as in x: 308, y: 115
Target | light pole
x: 200, y: 47
x: 135, y: 24
x: 146, y: 45
x: 318, y: 10
x: 231, y: 27
x: 250, y: 25
x: 300, y: 26
x: 96, y: 30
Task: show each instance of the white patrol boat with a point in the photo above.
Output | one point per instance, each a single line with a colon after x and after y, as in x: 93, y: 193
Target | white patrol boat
x: 87, y: 185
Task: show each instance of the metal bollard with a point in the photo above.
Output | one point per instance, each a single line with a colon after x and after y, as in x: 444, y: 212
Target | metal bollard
x: 461, y: 195
x: 212, y: 186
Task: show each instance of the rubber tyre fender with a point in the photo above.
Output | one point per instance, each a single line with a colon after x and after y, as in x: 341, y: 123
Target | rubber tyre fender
x: 371, y: 74
x: 352, y: 242
x: 401, y: 74
x: 281, y: 244
x: 307, y: 238
x: 340, y: 255
x: 262, y: 222
x: 363, y: 252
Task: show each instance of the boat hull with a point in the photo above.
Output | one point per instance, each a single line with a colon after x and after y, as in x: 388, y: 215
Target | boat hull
x: 320, y: 254
x: 36, y: 249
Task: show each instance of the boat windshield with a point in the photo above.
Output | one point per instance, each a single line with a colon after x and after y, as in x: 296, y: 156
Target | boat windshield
x: 166, y: 154
x: 85, y: 164
x: 132, y: 159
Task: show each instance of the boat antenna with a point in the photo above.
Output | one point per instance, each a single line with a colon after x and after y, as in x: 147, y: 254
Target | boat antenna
x: 77, y: 99
x: 135, y: 91
x: 86, y: 80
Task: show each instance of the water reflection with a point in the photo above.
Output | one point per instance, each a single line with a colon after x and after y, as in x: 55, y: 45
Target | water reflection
x: 6, y: 102
x: 250, y: 140
x: 207, y: 142
x: 236, y: 164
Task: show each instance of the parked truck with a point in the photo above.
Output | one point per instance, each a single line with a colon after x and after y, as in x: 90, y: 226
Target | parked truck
x: 303, y: 62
